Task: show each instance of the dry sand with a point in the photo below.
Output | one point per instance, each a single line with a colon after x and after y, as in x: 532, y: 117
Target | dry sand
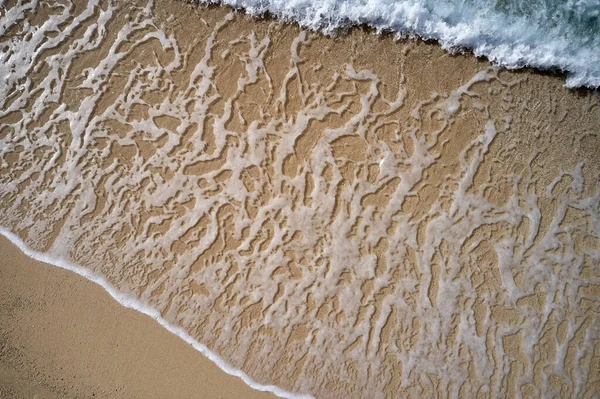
x: 62, y: 336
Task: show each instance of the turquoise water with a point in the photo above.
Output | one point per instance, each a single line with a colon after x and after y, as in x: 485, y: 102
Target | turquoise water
x: 544, y: 34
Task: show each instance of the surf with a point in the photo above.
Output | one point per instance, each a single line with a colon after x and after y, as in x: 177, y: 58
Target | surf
x: 548, y: 35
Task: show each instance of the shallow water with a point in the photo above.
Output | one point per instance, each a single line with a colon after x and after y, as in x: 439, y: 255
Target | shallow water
x: 337, y: 217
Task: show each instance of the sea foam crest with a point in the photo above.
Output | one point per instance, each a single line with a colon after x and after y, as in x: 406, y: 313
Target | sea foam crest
x: 544, y: 34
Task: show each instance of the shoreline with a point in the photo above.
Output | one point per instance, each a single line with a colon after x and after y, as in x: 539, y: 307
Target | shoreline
x: 113, y: 317
x: 129, y: 302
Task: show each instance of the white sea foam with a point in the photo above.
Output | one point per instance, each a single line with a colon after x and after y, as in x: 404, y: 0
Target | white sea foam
x: 549, y: 34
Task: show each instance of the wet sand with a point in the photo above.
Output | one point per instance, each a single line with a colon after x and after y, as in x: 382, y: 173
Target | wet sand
x: 62, y: 336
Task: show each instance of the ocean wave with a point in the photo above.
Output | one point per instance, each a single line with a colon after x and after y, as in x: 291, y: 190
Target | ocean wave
x: 544, y: 34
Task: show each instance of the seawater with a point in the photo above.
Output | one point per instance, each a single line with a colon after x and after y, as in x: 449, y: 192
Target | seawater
x: 314, y: 220
x: 553, y: 35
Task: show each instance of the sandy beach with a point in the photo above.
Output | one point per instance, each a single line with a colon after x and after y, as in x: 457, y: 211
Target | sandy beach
x: 343, y: 217
x: 63, y: 336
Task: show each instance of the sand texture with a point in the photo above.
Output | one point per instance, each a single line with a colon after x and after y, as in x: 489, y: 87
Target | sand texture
x: 340, y: 217
x: 63, y: 336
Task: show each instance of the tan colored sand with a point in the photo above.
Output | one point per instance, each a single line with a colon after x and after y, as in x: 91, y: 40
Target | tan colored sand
x: 62, y: 336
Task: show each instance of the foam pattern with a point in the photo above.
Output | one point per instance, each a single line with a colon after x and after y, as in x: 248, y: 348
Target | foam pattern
x: 330, y: 236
